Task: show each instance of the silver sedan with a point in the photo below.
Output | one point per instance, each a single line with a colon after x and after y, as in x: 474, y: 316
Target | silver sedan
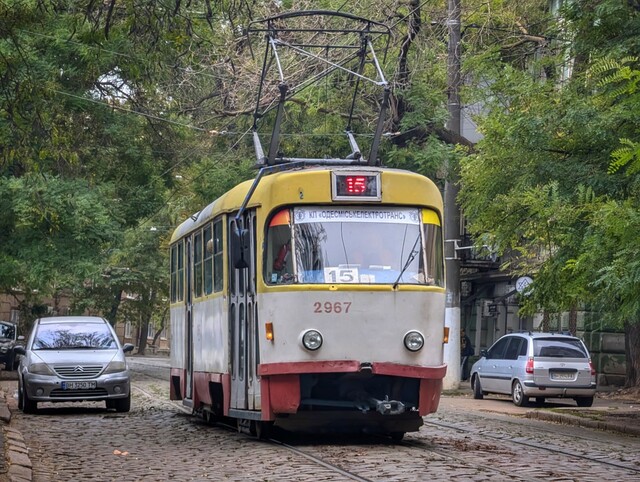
x: 73, y: 358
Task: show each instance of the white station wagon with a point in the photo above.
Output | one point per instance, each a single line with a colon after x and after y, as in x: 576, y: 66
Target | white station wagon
x: 536, y: 365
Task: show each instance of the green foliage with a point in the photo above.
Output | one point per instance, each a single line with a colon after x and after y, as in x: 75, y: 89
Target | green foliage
x: 53, y: 230
x: 540, y: 184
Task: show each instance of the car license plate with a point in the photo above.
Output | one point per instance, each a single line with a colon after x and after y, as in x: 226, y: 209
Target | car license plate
x: 78, y: 385
x: 562, y: 376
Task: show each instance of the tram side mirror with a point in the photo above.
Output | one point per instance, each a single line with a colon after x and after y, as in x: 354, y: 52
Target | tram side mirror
x: 240, y: 246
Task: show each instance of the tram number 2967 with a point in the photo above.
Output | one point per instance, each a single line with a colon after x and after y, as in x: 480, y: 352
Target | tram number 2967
x: 331, y: 307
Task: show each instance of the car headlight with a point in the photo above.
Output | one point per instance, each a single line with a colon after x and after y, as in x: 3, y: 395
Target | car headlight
x: 40, y: 369
x: 312, y: 340
x: 115, y: 367
x: 413, y: 341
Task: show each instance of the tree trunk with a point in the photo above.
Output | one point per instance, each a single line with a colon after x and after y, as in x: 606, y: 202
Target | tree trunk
x: 142, y: 338
x: 632, y: 351
x: 398, y: 103
x: 144, y: 323
x: 163, y: 322
x: 115, y: 305
x: 573, y: 319
x: 545, y: 321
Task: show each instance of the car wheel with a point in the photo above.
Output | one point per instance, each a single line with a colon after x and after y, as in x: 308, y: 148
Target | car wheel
x: 10, y: 363
x: 518, y: 396
x: 28, y: 405
x: 477, y: 388
x: 584, y: 401
x: 122, y: 404
x: 20, y: 397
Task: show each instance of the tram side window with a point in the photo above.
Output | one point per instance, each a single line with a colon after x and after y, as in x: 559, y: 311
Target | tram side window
x: 208, y: 260
x: 181, y: 271
x: 177, y: 272
x: 174, y: 273
x: 433, y: 248
x: 197, y: 264
x: 217, y: 255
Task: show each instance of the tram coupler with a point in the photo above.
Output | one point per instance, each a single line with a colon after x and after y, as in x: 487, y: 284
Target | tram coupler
x: 388, y: 407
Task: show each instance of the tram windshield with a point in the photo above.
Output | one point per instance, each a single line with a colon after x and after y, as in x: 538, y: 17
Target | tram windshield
x: 366, y: 245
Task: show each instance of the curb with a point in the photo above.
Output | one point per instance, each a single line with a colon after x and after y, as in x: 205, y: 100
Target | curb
x: 583, y: 422
x: 16, y: 452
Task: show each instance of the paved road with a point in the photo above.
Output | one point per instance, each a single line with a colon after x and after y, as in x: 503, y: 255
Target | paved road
x: 158, y: 441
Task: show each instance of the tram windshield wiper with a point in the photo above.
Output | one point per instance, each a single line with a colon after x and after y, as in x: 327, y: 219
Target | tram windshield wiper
x: 411, y: 257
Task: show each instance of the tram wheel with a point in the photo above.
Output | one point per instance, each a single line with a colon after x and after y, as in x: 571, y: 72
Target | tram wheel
x: 263, y: 430
x: 209, y: 417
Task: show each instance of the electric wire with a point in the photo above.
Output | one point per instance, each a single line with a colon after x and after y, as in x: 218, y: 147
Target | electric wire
x: 202, y: 72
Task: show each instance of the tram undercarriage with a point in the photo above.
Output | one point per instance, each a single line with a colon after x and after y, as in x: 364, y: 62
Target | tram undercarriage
x: 360, y: 391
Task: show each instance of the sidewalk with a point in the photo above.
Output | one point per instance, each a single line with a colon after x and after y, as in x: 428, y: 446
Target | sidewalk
x: 612, y: 410
x: 15, y: 465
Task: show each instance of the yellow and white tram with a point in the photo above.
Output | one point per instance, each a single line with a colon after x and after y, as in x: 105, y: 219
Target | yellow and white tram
x: 313, y: 300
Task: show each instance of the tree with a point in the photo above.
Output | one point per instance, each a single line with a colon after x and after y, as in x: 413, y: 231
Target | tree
x: 553, y: 180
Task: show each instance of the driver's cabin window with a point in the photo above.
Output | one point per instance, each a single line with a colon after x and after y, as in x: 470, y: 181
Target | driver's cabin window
x: 279, y: 260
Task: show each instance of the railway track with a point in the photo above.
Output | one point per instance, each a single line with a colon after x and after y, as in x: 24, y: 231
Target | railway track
x: 632, y: 466
x: 487, y: 447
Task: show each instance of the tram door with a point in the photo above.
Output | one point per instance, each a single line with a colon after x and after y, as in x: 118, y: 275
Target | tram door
x: 242, y: 336
x: 188, y: 321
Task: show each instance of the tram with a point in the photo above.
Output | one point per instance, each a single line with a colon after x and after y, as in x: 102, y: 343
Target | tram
x: 312, y: 297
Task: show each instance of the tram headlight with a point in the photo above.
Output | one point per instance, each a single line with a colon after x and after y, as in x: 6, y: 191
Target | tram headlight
x: 312, y: 340
x: 414, y: 341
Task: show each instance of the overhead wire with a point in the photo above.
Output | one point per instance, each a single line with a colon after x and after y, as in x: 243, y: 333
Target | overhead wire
x: 202, y: 72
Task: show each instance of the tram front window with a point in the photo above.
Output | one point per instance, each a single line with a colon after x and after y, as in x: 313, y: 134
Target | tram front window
x: 367, y: 245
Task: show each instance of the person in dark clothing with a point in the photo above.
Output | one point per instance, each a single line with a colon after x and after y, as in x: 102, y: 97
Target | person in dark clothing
x: 466, y: 350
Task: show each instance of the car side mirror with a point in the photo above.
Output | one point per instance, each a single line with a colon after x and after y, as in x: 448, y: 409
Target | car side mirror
x: 484, y: 353
x: 127, y: 347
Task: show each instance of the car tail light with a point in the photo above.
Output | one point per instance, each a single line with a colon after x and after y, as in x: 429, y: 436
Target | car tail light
x: 593, y: 370
x: 529, y: 366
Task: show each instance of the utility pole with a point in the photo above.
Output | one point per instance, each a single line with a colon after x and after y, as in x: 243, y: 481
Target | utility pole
x: 451, y: 210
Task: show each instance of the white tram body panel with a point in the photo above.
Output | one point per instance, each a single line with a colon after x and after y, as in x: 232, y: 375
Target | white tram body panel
x: 369, y: 327
x: 210, y: 329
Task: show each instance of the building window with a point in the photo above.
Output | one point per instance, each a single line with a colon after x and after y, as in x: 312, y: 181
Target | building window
x: 127, y: 329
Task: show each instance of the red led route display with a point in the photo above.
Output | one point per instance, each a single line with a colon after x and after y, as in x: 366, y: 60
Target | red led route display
x: 351, y: 185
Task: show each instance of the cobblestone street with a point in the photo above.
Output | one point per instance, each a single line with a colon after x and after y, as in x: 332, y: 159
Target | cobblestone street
x: 157, y: 440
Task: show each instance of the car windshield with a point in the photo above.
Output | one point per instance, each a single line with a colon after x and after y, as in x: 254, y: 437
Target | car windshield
x: 73, y: 336
x: 558, y: 348
x: 7, y: 331
x: 355, y: 245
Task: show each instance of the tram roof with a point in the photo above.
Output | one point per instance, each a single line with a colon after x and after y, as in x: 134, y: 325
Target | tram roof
x: 285, y: 188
